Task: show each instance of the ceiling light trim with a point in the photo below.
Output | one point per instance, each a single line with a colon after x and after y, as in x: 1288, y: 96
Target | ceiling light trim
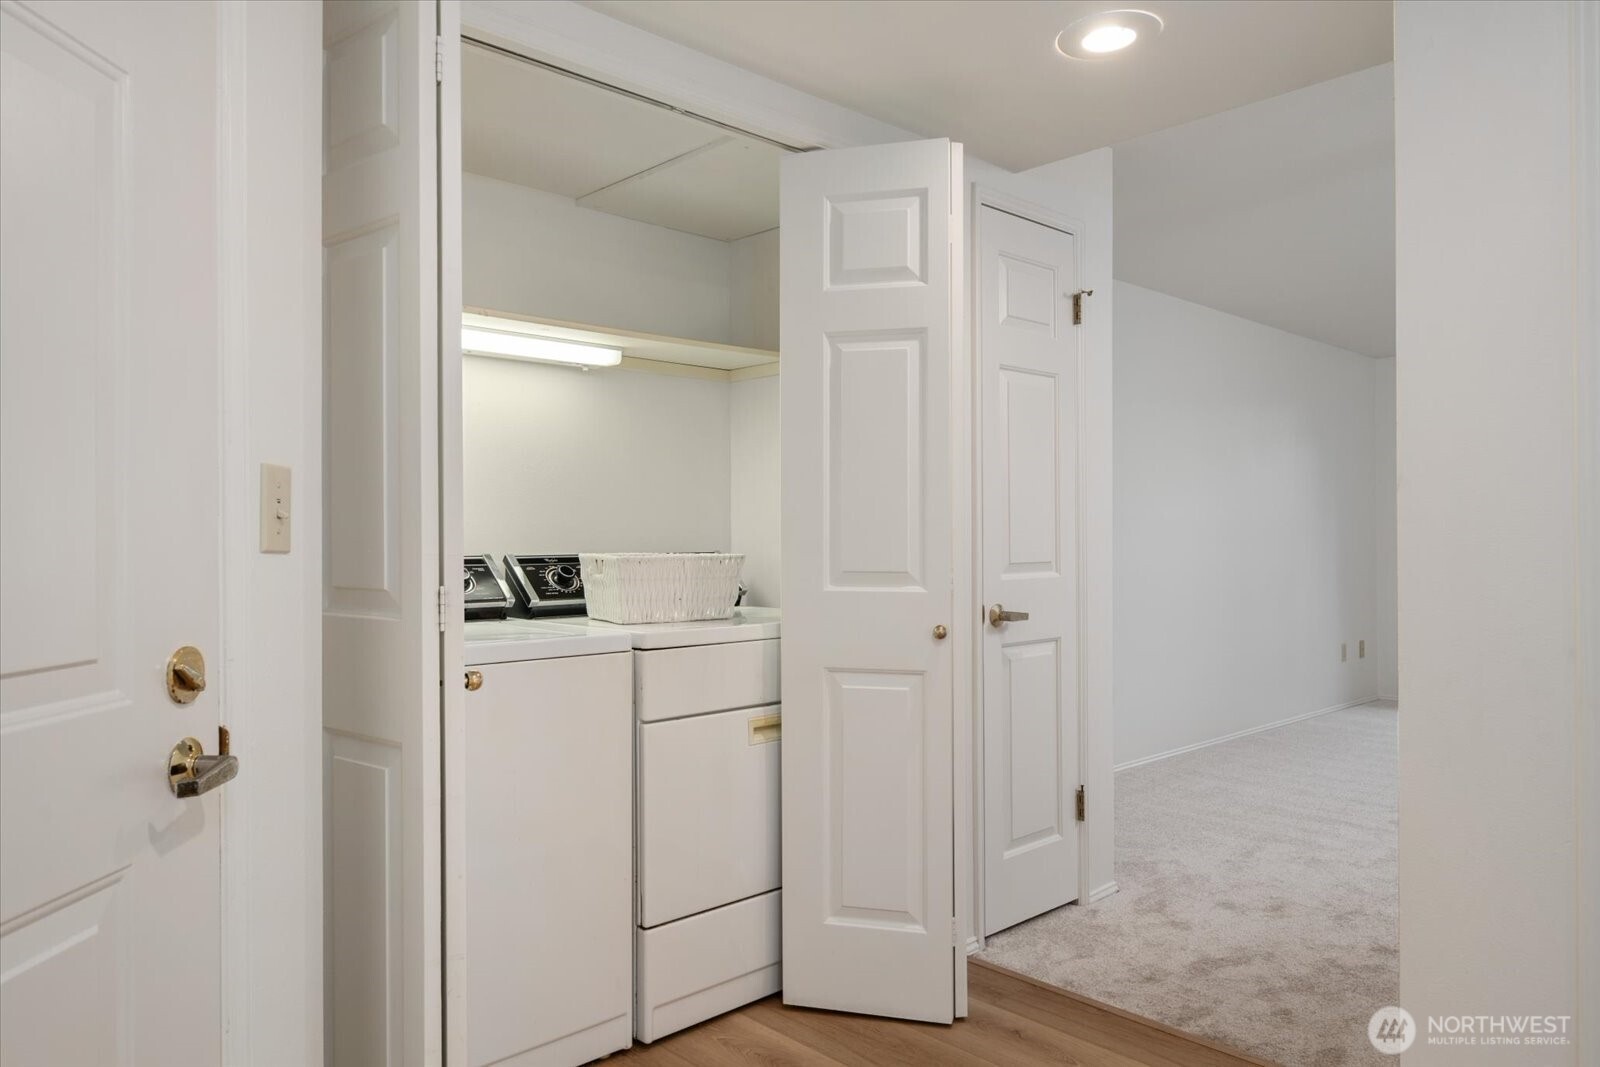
x: 1138, y: 28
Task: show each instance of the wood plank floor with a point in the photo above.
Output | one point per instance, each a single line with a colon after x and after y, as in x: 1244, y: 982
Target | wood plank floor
x: 1014, y: 1020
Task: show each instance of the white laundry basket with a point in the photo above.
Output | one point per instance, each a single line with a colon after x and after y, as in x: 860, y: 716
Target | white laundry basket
x: 633, y: 587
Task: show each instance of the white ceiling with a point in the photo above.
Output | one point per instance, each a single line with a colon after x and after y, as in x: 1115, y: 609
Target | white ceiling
x: 987, y: 74
x: 1281, y: 212
x: 521, y: 123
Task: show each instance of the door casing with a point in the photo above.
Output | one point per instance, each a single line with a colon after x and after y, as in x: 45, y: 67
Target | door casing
x: 587, y: 43
x: 269, y: 198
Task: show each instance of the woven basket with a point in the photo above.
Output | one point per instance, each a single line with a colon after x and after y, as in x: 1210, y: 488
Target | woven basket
x: 633, y: 587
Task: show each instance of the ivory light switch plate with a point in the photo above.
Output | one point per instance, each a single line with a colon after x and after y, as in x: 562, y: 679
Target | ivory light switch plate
x: 275, y: 508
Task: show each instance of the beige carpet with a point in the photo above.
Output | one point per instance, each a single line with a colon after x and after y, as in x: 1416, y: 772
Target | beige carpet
x: 1258, y: 894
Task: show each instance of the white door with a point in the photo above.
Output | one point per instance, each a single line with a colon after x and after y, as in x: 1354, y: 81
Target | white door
x: 1028, y: 360
x: 382, y: 619
x: 110, y: 532
x: 868, y: 241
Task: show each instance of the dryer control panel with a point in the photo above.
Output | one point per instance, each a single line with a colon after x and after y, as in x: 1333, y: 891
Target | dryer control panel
x: 546, y: 585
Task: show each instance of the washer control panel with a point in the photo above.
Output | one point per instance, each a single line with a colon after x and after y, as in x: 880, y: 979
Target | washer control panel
x: 486, y: 596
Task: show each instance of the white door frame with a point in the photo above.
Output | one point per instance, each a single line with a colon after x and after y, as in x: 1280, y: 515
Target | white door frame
x: 987, y: 195
x: 585, y: 42
x: 269, y: 354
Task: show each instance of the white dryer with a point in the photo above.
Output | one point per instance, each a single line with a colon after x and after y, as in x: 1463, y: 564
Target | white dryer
x: 707, y: 850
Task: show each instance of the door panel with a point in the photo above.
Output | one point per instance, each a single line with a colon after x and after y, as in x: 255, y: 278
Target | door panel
x: 381, y: 575
x: 1028, y: 362
x: 875, y: 434
x: 868, y: 805
x: 109, y: 550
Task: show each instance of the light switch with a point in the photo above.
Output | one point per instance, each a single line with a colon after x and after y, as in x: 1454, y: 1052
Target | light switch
x: 275, y: 508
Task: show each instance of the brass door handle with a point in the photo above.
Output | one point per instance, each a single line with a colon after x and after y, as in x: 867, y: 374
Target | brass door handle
x: 999, y: 616
x: 474, y: 681
x: 190, y: 772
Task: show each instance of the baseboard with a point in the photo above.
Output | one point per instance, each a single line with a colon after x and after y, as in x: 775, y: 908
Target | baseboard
x: 1241, y: 733
x: 1096, y: 896
x: 974, y: 945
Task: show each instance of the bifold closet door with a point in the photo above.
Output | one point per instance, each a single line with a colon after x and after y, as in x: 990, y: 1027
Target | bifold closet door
x: 382, y: 619
x: 868, y: 240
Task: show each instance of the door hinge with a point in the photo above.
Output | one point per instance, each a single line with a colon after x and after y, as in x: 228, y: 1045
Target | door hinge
x: 1080, y: 803
x: 438, y: 60
x: 955, y: 933
x: 444, y: 602
x: 1077, y: 305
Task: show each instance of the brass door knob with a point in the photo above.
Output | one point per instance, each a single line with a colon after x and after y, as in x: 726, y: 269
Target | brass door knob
x: 186, y: 675
x: 940, y: 632
x: 474, y: 681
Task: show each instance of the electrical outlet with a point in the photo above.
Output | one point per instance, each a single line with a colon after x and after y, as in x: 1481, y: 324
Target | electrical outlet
x: 1344, y: 652
x: 275, y: 506
x: 1361, y: 649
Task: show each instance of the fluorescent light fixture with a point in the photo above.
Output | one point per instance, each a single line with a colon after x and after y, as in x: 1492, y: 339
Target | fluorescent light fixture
x: 1104, y: 35
x: 517, y: 344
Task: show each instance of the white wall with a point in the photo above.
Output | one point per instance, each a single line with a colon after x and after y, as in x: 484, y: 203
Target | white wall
x: 271, y: 671
x: 1385, y: 619
x: 1245, y: 465
x: 540, y: 254
x: 558, y: 459
x: 753, y: 291
x: 757, y: 500
x: 1497, y: 765
x: 1280, y: 211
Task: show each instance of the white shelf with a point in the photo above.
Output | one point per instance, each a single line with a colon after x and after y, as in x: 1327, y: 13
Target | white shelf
x: 653, y: 347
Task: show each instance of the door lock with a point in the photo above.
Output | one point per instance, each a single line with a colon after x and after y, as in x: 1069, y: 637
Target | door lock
x: 186, y: 675
x: 999, y: 616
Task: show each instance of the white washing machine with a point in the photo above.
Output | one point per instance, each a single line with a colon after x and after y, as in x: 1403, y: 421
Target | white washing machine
x: 548, y: 810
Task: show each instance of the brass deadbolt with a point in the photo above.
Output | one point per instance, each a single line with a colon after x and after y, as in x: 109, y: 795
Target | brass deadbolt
x: 186, y: 675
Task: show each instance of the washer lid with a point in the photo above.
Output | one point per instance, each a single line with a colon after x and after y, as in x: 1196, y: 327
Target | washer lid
x: 513, y: 640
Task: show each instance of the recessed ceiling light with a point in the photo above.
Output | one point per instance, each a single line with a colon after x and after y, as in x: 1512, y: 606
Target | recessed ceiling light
x: 1105, y: 34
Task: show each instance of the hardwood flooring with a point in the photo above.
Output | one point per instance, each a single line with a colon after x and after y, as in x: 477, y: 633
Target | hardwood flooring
x: 1014, y: 1020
